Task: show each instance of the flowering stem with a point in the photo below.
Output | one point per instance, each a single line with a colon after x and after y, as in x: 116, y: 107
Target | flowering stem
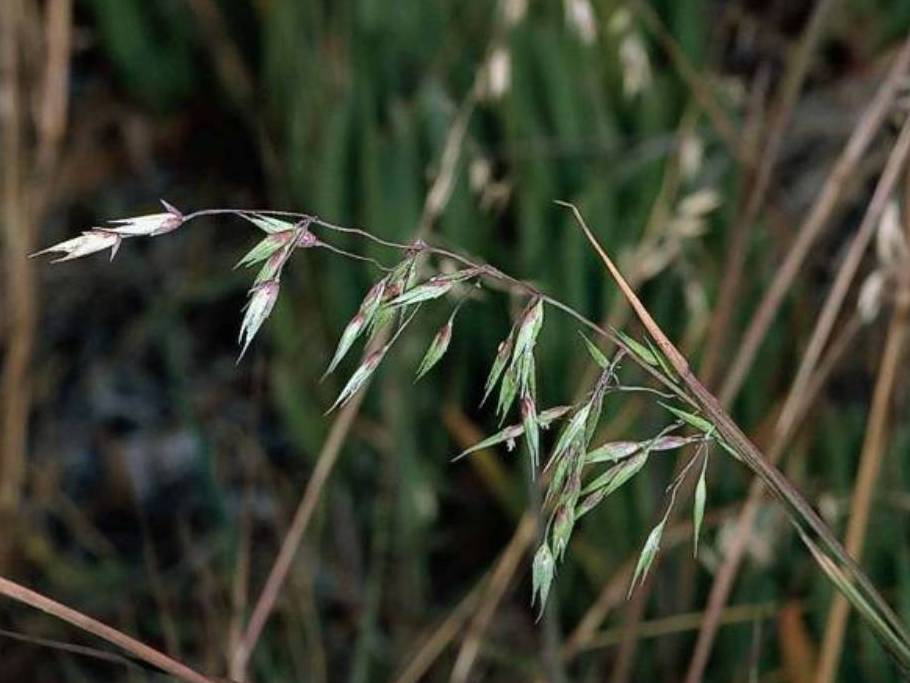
x: 841, y: 569
x: 486, y: 270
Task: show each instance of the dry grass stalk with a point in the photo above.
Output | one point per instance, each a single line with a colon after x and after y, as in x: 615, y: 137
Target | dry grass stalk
x: 436, y: 200
x: 788, y: 92
x: 825, y: 548
x: 136, y: 648
x: 875, y: 444
x: 433, y: 645
x: 19, y: 286
x: 827, y: 201
x: 443, y: 633
x: 25, y: 193
x: 729, y: 568
x: 795, y: 404
x: 499, y: 581
x: 613, y: 593
x: 846, y: 273
x: 680, y: 623
x: 697, y: 83
x: 278, y: 574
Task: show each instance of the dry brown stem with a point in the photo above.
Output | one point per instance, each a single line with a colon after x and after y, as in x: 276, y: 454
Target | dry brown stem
x: 14, y: 591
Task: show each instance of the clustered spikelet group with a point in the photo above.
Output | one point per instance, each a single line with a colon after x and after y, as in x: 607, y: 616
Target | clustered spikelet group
x: 578, y: 475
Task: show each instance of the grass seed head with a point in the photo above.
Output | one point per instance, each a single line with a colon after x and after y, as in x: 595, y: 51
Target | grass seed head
x: 262, y: 300
x: 149, y: 225
x: 89, y: 242
x: 543, y: 569
x: 437, y: 349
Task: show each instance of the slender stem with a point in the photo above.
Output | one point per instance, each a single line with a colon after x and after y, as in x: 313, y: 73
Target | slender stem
x: 354, y: 257
x: 874, y: 447
x: 486, y: 270
x: 14, y: 591
x: 839, y: 566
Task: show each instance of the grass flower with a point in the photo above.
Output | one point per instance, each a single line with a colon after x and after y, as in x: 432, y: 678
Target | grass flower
x: 150, y: 225
x: 99, y: 239
x: 90, y: 241
x: 262, y: 300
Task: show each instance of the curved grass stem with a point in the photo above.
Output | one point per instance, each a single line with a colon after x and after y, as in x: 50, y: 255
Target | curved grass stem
x: 829, y: 554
